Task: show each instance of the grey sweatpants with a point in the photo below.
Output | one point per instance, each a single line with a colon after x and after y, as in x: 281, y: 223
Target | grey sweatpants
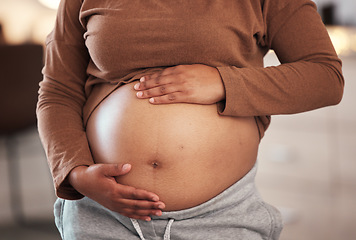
x: 237, y: 213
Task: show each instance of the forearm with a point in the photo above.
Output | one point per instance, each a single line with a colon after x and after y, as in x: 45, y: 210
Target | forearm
x: 286, y: 89
x: 64, y: 140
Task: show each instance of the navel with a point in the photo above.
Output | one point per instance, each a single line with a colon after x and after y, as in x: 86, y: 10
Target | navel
x: 155, y: 164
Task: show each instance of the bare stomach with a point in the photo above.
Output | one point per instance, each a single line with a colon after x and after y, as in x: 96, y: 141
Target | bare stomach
x: 185, y: 153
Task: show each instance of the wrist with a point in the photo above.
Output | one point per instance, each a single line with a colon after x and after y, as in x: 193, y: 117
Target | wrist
x: 75, y: 175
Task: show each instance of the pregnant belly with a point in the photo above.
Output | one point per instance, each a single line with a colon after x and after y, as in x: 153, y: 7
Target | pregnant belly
x: 185, y: 153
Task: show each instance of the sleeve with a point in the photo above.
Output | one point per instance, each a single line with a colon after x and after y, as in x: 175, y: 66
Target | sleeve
x: 61, y: 98
x: 309, y: 76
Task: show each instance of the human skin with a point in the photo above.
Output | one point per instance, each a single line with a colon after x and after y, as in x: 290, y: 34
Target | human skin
x: 198, y: 84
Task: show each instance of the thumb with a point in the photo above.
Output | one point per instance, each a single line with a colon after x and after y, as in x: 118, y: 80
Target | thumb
x: 114, y: 170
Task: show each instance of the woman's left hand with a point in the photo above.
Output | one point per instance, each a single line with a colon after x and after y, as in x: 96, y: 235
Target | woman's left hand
x: 196, y: 83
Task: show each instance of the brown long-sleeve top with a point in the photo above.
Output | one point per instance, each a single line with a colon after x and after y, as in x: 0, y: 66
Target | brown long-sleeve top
x: 98, y: 45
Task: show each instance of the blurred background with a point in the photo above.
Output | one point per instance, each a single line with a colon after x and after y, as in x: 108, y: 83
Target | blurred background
x: 307, y: 162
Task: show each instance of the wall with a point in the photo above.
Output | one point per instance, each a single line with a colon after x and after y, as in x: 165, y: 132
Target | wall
x: 306, y: 161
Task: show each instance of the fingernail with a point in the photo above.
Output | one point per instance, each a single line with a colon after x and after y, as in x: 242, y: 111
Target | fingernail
x: 161, y: 206
x: 147, y: 219
x: 126, y: 167
x: 155, y: 199
x: 152, y: 100
x: 139, y: 94
x: 137, y: 86
x: 158, y: 213
x: 142, y: 79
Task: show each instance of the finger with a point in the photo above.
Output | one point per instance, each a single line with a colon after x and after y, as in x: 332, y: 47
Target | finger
x: 128, y: 192
x: 141, y: 212
x: 164, y: 72
x: 138, y: 217
x: 158, y: 91
x: 176, y: 97
x: 148, y: 82
x: 141, y: 204
x: 114, y: 170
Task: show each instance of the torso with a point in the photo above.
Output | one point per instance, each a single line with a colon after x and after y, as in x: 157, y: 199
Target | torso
x: 185, y: 153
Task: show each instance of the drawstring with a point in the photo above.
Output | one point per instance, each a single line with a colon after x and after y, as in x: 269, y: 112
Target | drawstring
x: 137, y: 228
x: 167, y: 233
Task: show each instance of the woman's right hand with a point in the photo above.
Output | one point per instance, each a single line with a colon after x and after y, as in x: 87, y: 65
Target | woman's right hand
x: 98, y: 183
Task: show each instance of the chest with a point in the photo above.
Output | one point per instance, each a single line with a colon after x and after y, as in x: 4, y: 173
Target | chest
x: 151, y: 33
